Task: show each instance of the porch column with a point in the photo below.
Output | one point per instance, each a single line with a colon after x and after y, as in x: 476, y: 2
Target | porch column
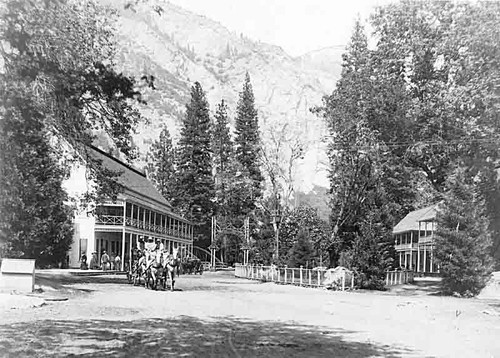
x: 418, y: 258
x: 425, y: 258
x: 411, y: 250
x: 400, y: 258
x: 130, y: 253
x: 432, y: 254
x: 406, y: 260
x: 122, y: 261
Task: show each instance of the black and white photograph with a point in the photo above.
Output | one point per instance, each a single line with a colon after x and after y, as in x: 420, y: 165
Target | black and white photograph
x: 250, y: 178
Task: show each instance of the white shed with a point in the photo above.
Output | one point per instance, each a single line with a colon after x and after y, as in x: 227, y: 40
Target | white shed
x: 17, y: 275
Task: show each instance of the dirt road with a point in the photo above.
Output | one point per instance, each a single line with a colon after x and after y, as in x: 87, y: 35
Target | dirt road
x: 217, y: 315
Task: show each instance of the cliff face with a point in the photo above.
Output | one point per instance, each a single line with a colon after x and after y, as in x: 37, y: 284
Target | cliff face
x: 178, y: 47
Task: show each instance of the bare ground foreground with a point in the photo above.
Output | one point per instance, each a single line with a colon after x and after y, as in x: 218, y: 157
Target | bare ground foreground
x: 217, y: 315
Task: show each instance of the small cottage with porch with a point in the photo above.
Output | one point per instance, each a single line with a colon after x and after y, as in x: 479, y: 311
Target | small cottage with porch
x: 414, y: 240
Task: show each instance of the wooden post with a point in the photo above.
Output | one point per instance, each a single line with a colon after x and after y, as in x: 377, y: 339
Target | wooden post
x: 319, y: 281
x: 300, y: 273
x: 411, y: 250
x: 425, y: 258
x: 130, y: 253
x: 293, y: 275
x: 431, y: 259
x: 352, y: 281
x: 387, y: 278
x: 343, y: 281
x: 310, y: 277
x: 285, y: 274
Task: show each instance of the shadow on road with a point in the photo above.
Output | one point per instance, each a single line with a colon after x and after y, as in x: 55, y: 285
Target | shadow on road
x: 181, y: 337
x: 58, y: 279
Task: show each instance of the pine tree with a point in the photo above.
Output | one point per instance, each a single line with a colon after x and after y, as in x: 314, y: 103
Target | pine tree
x: 301, y: 252
x: 248, y: 143
x: 161, y: 166
x: 463, y: 241
x: 346, y: 113
x: 195, y: 186
x: 223, y: 155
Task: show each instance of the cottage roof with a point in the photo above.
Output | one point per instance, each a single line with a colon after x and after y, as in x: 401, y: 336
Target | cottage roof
x: 410, y: 221
x: 131, y: 178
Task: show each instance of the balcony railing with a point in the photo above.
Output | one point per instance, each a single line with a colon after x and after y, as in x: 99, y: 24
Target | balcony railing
x: 426, y: 239
x: 109, y: 220
x: 405, y: 246
x: 118, y: 221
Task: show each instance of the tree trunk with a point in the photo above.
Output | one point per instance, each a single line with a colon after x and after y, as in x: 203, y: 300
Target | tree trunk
x: 334, y: 258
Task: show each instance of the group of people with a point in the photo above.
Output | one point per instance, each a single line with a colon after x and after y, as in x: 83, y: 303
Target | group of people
x: 107, y: 262
x: 153, y: 263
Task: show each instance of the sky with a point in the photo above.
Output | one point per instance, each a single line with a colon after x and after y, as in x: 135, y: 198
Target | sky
x: 298, y: 26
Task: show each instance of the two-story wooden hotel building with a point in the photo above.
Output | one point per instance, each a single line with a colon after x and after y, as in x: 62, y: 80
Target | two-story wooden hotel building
x: 414, y: 240
x: 140, y: 215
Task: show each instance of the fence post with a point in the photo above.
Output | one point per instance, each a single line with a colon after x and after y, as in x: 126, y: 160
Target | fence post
x: 293, y: 275
x: 319, y: 281
x: 343, y: 280
x: 278, y: 273
x: 272, y: 274
x: 387, y: 278
x: 310, y: 281
x: 352, y: 281
x: 285, y: 275
x: 300, y: 273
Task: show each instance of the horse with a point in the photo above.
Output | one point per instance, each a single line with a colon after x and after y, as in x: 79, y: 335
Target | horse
x: 192, y: 265
x: 170, y: 264
x: 155, y: 270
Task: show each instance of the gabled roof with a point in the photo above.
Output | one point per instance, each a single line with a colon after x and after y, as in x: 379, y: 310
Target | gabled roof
x: 131, y: 178
x: 410, y: 221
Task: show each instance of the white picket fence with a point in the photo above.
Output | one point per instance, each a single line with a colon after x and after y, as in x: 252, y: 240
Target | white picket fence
x: 398, y: 277
x: 290, y: 276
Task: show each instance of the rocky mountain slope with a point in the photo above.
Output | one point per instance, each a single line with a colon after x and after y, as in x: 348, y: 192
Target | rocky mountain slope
x: 179, y: 47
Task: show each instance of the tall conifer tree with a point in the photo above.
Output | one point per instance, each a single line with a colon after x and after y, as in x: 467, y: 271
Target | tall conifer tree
x: 463, y: 240
x: 195, y: 185
x: 248, y: 143
x: 223, y: 156
x: 161, y: 166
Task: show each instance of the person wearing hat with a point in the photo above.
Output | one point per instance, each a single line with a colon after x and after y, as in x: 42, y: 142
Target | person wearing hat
x: 105, y: 261
x: 83, y: 262
x: 93, y: 261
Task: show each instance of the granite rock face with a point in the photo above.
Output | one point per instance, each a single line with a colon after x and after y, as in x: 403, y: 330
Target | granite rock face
x: 178, y: 47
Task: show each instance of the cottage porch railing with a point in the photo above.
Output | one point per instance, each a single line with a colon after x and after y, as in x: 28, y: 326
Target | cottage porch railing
x: 399, y: 277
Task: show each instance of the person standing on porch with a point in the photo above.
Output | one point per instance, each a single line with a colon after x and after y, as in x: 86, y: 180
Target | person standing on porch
x: 93, y: 261
x: 105, y: 261
x: 118, y: 265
